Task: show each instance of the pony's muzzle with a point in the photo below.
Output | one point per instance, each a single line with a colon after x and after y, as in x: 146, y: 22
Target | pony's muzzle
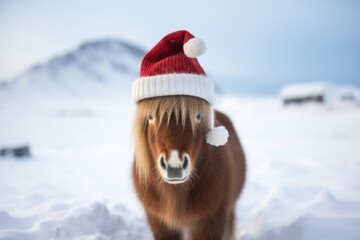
x: 174, y: 170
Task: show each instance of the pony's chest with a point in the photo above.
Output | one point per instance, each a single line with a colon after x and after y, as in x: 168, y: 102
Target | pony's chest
x: 175, y: 215
x: 178, y: 211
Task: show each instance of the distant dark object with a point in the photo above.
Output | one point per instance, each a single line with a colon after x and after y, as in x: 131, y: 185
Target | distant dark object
x: 18, y: 151
x: 323, y: 93
x: 318, y: 98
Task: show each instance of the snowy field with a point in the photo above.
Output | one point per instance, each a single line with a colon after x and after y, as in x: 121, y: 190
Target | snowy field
x: 302, y: 183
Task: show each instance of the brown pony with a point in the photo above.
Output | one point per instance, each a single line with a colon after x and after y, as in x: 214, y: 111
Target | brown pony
x: 187, y: 187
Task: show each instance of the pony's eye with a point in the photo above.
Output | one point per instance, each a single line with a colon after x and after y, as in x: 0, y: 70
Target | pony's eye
x: 150, y: 118
x: 198, y: 117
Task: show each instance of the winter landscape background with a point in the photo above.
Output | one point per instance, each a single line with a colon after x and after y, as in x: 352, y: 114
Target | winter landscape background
x: 65, y: 93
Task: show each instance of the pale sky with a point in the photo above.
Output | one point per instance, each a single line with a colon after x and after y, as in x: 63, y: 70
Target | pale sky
x: 263, y: 43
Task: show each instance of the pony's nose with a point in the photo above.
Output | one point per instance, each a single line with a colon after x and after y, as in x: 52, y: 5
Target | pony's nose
x: 175, y: 169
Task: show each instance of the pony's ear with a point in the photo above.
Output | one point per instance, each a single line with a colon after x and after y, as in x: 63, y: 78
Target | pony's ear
x: 217, y: 136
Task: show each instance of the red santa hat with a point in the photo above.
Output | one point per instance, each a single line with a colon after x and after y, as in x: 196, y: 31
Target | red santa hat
x: 171, y: 68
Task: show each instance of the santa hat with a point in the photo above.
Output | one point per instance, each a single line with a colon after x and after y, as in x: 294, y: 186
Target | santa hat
x: 171, y: 68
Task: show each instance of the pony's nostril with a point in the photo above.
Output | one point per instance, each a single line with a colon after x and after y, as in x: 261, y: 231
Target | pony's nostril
x: 162, y: 162
x: 185, y: 162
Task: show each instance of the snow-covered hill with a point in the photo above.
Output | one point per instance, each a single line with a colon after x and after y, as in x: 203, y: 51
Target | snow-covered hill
x: 103, y: 68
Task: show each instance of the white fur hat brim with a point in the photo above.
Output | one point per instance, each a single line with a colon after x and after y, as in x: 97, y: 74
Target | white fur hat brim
x: 173, y: 84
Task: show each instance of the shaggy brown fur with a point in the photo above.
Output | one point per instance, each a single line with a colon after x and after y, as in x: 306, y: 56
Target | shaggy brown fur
x: 204, y: 204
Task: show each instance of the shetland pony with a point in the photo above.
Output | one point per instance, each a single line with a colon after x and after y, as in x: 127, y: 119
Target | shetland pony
x: 188, y: 188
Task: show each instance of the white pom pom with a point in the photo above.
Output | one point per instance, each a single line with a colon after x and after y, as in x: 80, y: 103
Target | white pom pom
x: 217, y: 136
x: 194, y: 48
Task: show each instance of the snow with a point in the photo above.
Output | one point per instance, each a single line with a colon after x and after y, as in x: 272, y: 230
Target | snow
x: 302, y: 182
x: 218, y: 136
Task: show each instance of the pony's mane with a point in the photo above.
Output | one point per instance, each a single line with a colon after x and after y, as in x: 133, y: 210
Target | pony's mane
x: 181, y: 107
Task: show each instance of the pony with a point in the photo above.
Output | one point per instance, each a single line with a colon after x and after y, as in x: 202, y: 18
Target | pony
x: 188, y: 188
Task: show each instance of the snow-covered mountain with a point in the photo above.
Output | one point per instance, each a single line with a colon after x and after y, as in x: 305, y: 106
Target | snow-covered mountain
x: 96, y: 68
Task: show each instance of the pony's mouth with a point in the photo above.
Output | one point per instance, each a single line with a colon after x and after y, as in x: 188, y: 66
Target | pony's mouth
x: 176, y: 180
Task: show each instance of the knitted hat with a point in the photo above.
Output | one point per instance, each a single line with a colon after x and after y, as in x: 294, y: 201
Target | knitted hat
x: 171, y: 68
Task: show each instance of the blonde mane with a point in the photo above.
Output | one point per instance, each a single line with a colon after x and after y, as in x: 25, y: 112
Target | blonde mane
x: 182, y: 107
